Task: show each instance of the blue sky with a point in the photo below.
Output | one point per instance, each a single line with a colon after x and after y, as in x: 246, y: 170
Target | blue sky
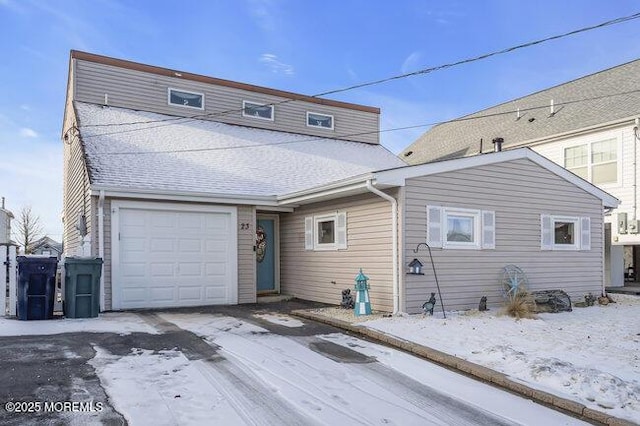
x: 295, y: 45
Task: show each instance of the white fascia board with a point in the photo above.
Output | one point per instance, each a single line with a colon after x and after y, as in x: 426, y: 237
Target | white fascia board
x: 326, y: 194
x: 397, y: 177
x: 577, y: 132
x: 196, y: 197
x: 324, y: 190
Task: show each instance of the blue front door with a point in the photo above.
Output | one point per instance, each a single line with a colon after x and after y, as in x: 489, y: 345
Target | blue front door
x: 266, y: 255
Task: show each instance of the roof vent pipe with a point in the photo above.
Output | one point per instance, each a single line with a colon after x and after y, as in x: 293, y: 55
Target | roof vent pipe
x: 497, y: 144
x: 552, y: 109
x: 2, y: 202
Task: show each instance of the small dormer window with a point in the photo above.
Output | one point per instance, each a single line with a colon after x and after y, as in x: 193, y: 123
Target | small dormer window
x: 324, y: 121
x: 186, y: 99
x: 257, y: 110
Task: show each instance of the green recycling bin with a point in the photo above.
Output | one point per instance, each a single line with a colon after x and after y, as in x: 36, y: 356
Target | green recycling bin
x: 82, y: 287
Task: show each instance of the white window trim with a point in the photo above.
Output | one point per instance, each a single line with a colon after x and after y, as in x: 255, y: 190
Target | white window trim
x: 484, y: 222
x: 257, y: 117
x: 317, y: 245
x: 169, y: 89
x: 315, y: 126
x: 477, y: 225
x: 590, y: 164
x: 581, y: 241
x: 340, y: 233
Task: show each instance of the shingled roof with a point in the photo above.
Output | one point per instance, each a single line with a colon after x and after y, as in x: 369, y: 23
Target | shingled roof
x: 136, y: 150
x: 602, y: 98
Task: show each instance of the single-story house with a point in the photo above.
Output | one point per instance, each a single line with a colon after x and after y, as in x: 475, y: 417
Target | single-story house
x: 199, y: 191
x: 46, y: 246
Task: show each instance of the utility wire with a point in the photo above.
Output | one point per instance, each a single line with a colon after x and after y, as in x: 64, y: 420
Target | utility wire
x: 187, y: 119
x: 486, y: 55
x: 337, y: 137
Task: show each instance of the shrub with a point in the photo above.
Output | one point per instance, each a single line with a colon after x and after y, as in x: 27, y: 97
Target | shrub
x: 520, y: 305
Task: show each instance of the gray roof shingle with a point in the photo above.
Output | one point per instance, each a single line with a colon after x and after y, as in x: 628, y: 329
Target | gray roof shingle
x: 209, y: 157
x: 603, y: 97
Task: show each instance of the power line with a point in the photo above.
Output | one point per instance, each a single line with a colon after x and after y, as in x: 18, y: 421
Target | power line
x: 170, y: 120
x: 486, y: 55
x: 313, y: 139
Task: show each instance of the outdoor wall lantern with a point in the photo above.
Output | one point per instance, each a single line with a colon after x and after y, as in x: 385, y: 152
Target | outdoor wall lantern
x: 415, y: 267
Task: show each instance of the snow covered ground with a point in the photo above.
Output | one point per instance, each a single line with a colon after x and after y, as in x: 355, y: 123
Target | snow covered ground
x: 110, y: 322
x: 590, y: 355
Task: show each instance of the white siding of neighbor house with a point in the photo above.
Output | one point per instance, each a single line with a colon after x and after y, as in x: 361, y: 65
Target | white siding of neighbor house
x: 310, y: 274
x: 623, y: 189
x: 519, y: 192
x: 146, y: 91
x: 246, y: 255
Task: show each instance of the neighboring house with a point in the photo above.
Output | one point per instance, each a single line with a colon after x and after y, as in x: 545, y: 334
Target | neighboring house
x: 46, y: 246
x: 201, y: 191
x: 588, y: 125
x: 5, y: 224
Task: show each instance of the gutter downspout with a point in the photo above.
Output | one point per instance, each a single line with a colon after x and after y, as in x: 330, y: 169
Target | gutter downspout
x: 635, y: 167
x: 101, y: 247
x: 394, y: 221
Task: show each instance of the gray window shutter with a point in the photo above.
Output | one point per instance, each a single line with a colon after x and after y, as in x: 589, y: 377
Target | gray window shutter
x: 585, y: 233
x: 488, y: 229
x: 546, y: 235
x: 341, y: 231
x: 308, y: 233
x: 434, y: 226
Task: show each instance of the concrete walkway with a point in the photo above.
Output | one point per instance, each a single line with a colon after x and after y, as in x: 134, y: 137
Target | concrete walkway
x: 474, y: 370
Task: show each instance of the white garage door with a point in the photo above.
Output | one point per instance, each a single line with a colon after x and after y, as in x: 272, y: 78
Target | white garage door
x: 167, y: 257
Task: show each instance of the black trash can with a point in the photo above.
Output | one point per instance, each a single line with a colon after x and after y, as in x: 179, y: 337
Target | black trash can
x: 82, y: 287
x: 36, y: 287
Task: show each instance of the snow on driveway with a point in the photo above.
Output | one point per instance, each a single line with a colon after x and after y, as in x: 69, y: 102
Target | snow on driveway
x: 111, y: 322
x: 590, y: 355
x: 364, y: 391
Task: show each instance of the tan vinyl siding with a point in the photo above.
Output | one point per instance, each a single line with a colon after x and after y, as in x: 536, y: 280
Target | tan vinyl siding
x: 519, y: 192
x: 310, y: 274
x: 246, y: 255
x: 76, y: 195
x: 145, y: 91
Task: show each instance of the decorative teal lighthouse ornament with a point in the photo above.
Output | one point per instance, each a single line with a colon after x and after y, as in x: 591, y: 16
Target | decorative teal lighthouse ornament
x: 362, y: 305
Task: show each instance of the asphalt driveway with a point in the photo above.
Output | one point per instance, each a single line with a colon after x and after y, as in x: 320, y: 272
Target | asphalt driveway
x: 237, y: 365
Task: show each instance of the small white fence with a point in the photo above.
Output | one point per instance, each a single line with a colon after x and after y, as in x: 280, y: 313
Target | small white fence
x: 8, y: 279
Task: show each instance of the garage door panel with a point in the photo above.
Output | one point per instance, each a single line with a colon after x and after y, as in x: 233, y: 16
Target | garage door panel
x: 134, y: 295
x: 174, y: 258
x: 162, y: 245
x: 162, y: 269
x: 162, y: 220
x: 190, y: 293
x: 191, y: 245
x: 132, y: 270
x: 213, y: 293
x: 161, y: 294
x: 190, y: 269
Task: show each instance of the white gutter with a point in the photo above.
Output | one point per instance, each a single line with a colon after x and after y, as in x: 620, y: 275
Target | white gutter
x: 101, y: 247
x: 394, y: 222
x: 197, y: 197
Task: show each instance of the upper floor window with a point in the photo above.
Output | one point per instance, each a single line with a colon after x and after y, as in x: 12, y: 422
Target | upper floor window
x: 324, y: 121
x: 257, y: 110
x: 185, y: 99
x: 596, y: 162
